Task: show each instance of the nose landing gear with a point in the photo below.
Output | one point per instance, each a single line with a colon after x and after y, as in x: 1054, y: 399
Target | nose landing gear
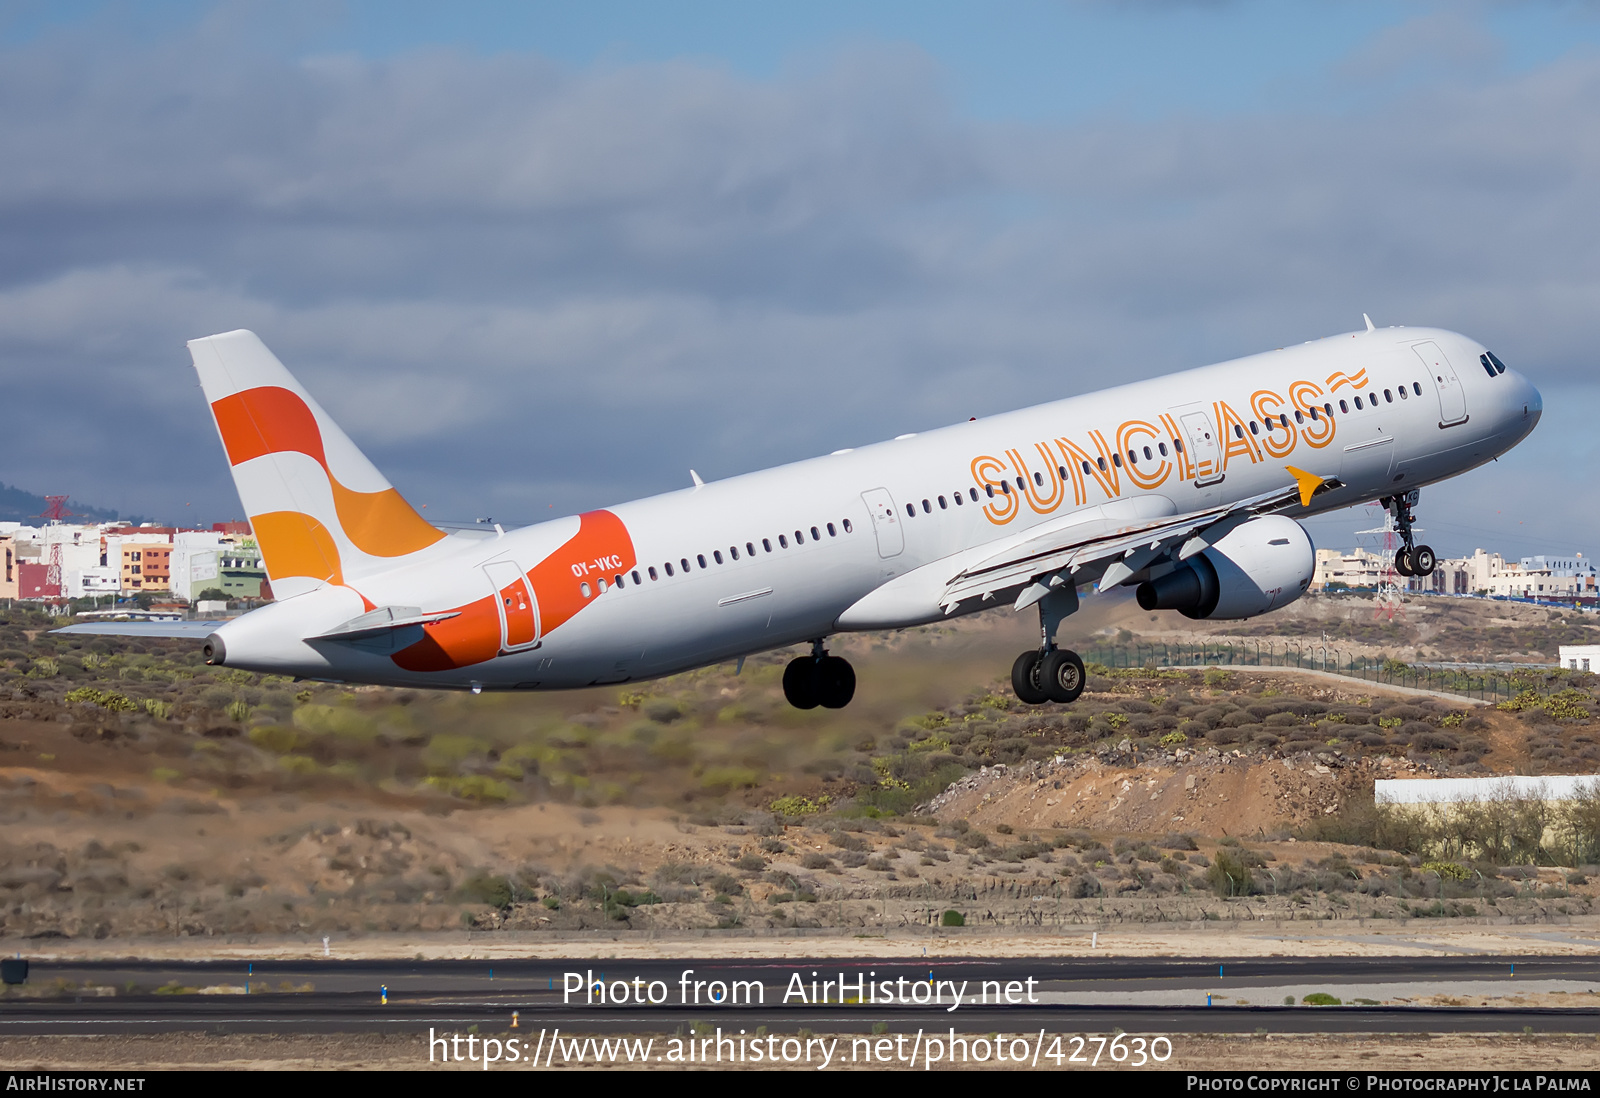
x: 819, y: 679
x: 1412, y: 559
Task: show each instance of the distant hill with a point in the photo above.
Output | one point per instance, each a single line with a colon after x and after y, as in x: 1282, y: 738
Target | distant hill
x: 17, y: 505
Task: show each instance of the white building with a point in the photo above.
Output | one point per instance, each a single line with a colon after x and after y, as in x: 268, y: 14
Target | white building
x: 1579, y: 657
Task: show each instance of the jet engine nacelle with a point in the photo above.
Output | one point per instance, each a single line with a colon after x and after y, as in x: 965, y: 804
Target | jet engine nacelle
x: 1264, y: 564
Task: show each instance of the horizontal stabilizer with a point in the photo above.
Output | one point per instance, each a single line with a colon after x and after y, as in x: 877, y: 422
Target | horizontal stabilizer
x: 383, y: 620
x: 181, y: 630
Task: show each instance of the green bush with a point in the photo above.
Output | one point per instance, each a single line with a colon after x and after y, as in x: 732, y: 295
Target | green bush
x: 1321, y: 998
x: 1229, y: 875
x: 484, y: 889
x: 952, y: 918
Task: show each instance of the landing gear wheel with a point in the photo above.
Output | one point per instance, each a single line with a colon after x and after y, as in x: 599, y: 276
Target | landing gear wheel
x: 834, y: 681
x: 1062, y: 676
x: 1402, y: 563
x: 1025, y: 679
x: 800, y: 683
x: 1423, y: 560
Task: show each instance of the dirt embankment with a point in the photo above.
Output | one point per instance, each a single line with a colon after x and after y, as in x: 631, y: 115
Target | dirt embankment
x: 1209, y: 792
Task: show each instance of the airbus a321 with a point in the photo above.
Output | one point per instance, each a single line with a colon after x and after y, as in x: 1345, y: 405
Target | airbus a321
x: 1186, y: 488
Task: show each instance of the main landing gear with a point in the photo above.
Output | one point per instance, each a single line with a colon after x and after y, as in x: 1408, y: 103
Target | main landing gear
x: 1412, y: 559
x: 1051, y: 673
x: 819, y: 679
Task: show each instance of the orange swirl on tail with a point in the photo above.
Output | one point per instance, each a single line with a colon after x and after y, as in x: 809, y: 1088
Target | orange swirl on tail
x: 272, y: 420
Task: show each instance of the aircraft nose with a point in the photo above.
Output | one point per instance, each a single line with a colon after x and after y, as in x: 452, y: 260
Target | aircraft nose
x: 1525, y: 407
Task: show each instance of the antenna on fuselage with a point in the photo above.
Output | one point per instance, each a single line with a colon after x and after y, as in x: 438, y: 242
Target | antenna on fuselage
x: 1371, y: 327
x: 698, y: 483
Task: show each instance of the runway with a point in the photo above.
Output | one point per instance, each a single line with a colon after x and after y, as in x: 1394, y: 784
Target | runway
x: 1057, y: 995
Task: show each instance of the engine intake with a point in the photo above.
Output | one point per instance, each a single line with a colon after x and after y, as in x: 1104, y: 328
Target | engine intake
x: 1266, y: 563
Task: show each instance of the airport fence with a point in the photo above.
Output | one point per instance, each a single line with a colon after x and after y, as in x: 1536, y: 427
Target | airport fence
x: 1487, y: 686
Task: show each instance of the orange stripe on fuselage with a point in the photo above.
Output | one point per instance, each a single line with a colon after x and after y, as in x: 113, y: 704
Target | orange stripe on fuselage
x: 601, y: 548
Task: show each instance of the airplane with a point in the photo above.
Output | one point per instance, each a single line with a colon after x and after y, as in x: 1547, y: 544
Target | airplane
x: 1185, y: 488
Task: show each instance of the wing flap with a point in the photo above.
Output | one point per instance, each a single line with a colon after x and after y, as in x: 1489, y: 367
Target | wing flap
x: 1027, y: 565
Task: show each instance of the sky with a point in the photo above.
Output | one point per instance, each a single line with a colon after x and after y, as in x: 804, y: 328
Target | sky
x: 540, y: 258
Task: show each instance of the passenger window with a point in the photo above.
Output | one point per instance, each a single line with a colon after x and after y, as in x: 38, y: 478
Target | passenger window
x: 943, y: 506
x: 750, y: 548
x: 927, y: 509
x: 1358, y: 404
x: 1416, y: 387
x: 847, y: 526
x: 1133, y: 457
x: 584, y: 588
x: 701, y: 557
x: 1254, y: 429
x: 959, y: 498
x: 911, y: 512
x: 799, y: 538
x: 1061, y: 469
x: 1163, y: 448
x: 767, y: 545
x: 733, y: 552
x: 1100, y: 461
x: 1388, y: 397
x: 1403, y: 393
x: 974, y: 492
x: 1005, y: 487
x: 1343, y: 407
x: 1116, y: 459
x: 1148, y: 456
x: 816, y: 535
x: 668, y: 567
x: 652, y: 572
x: 1177, y: 444
x: 1238, y: 431
x: 1038, y: 478
x: 1313, y: 413
x: 617, y: 581
x: 783, y: 542
x: 602, y: 582
x: 1020, y: 484
x: 990, y: 489
x: 1298, y: 418
x: 716, y: 555
x: 685, y: 562
x: 1086, y: 471
x: 831, y: 532
x: 636, y: 580
x: 1327, y: 409
x: 1283, y: 421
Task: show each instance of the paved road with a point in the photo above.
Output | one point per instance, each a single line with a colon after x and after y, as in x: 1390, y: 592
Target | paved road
x: 335, y: 995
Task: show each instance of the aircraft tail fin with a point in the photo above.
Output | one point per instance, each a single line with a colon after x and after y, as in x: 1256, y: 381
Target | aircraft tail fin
x: 321, y: 512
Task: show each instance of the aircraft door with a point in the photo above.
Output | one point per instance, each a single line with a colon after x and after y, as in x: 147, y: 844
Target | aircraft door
x: 885, y: 522
x: 1205, y: 453
x: 1452, y: 398
x: 519, y: 611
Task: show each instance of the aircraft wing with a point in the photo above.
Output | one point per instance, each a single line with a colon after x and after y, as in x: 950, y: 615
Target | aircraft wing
x: 1042, y: 560
x: 190, y: 630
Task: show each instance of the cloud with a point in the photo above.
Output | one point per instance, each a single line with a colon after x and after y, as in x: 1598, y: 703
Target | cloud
x: 528, y: 289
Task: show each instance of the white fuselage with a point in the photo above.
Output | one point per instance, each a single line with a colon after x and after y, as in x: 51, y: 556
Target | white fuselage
x: 798, y: 585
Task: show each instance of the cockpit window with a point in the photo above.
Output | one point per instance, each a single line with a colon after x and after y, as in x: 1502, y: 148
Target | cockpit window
x: 1499, y: 367
x: 1488, y: 367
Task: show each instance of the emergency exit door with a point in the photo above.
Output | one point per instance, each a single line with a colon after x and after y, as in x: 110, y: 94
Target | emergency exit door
x: 519, y: 612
